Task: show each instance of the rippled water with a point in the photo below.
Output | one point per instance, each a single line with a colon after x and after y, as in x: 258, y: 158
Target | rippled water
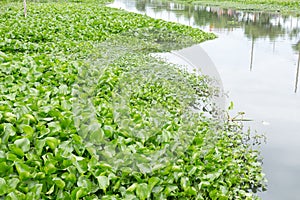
x: 257, y: 56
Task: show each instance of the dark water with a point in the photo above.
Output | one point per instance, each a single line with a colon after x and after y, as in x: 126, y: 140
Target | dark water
x: 257, y: 56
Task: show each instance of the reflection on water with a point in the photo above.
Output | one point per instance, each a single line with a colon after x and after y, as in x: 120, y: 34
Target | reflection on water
x: 296, y: 47
x: 255, y: 26
x: 257, y: 55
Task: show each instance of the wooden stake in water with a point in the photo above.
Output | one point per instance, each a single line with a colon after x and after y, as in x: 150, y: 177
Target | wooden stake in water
x: 296, y: 47
x: 25, y: 8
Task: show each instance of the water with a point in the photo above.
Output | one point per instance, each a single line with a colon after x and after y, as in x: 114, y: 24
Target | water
x: 257, y: 56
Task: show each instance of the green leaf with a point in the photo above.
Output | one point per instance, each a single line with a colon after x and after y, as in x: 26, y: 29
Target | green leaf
x: 59, y: 182
x: 12, y: 156
x: 83, y: 182
x: 3, y: 187
x: 16, y: 150
x: 9, y: 131
x: 39, y: 145
x: 152, y: 182
x: 30, y: 117
x: 97, y: 135
x: 23, y: 170
x: 2, y: 156
x: 28, y: 130
x: 52, y: 142
x: 230, y: 107
x: 108, y: 130
x: 132, y: 188
x: 13, y: 196
x: 51, y: 190
x: 103, y: 182
x: 49, y: 167
x: 191, y: 191
x: 170, y: 189
x: 143, y: 191
x: 78, y: 192
x: 69, y: 177
x: 184, y: 181
x: 36, y: 191
x: 23, y: 144
x: 9, y: 117
x: 5, y: 168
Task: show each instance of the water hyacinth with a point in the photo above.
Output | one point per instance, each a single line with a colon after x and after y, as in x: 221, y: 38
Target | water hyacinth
x: 87, y: 113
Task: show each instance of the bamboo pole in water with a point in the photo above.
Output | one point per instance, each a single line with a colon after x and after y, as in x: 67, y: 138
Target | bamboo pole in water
x: 297, y: 74
x: 251, y: 58
x: 25, y: 8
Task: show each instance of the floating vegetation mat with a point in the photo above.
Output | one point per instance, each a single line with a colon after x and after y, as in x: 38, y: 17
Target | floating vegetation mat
x: 87, y: 113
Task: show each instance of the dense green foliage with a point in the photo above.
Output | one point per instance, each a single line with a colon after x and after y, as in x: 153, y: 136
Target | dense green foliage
x: 86, y: 113
x: 284, y: 6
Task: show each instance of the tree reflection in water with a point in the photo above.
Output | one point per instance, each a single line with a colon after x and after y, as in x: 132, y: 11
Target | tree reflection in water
x: 256, y: 25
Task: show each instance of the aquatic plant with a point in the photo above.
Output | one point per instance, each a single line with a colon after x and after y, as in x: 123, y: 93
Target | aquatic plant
x: 87, y: 113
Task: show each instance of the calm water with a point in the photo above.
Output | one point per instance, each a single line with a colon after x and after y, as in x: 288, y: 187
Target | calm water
x: 257, y: 56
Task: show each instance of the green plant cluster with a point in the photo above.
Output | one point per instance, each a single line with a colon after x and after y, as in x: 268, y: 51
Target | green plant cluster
x: 87, y: 113
x: 289, y: 3
x: 283, y: 6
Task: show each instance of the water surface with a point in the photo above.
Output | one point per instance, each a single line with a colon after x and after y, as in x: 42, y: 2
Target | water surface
x: 257, y: 56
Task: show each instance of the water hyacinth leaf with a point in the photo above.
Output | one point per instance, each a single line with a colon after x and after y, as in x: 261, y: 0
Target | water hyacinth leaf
x: 66, y: 105
x: 108, y: 130
x: 28, y: 130
x: 63, y: 89
x: 11, y: 156
x: 2, y: 155
x: 103, y: 182
x: 204, y: 184
x: 231, y: 106
x: 52, y: 142
x: 130, y: 197
x: 132, y: 188
x: 85, y: 182
x: 158, y: 189
x: 142, y: 191
x: 13, y: 196
x: 144, y: 168
x: 23, y: 144
x: 97, y: 134
x: 184, y: 182
x: 31, y: 118
x: 192, y: 170
x: 59, y: 182
x: 39, y: 145
x: 36, y: 191
x: 170, y: 189
x: 69, y: 177
x: 55, y: 126
x: 44, y: 131
x: 3, y: 186
x: 82, y: 182
x: 81, y: 164
x: 23, y: 170
x: 49, y: 167
x: 51, y: 190
x: 9, y: 130
x: 152, y: 182
x: 191, y: 191
x: 16, y: 150
x: 9, y: 117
